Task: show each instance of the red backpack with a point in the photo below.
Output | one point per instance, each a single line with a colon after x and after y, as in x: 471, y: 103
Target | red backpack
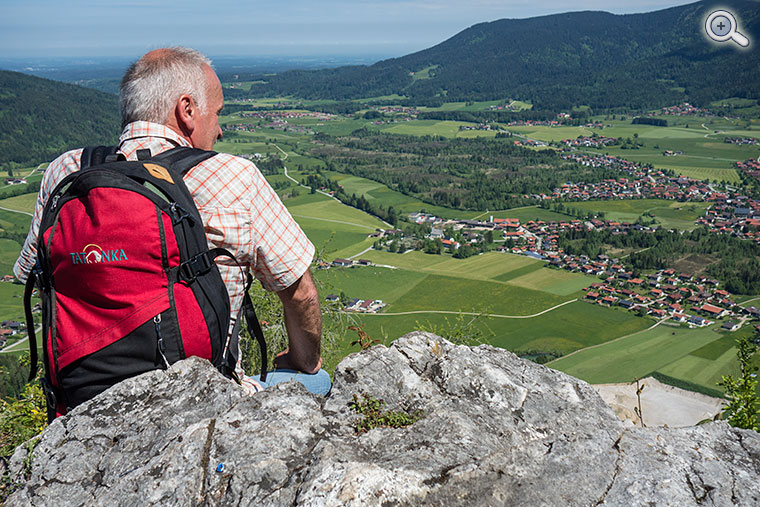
x: 127, y: 281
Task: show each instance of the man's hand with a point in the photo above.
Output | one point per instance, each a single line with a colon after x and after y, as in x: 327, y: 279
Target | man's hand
x: 303, y: 320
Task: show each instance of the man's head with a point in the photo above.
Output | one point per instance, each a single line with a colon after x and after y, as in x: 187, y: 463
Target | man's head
x: 175, y: 87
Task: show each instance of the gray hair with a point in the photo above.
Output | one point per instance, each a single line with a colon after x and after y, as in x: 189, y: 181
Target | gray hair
x: 153, y: 84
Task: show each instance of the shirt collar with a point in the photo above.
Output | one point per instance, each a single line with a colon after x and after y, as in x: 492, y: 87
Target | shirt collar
x: 140, y: 129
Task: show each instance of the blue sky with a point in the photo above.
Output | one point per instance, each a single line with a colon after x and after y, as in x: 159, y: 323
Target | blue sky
x: 55, y: 28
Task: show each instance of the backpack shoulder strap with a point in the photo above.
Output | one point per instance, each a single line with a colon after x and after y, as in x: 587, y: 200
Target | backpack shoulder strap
x: 182, y: 159
x: 95, y: 155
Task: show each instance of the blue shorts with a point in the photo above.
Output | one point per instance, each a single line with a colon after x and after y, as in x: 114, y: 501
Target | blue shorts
x: 317, y: 383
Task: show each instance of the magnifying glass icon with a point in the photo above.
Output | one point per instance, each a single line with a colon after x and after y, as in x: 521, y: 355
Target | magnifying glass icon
x: 720, y: 26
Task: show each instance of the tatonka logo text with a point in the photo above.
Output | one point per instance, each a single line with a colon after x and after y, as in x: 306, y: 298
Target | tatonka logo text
x: 94, y: 254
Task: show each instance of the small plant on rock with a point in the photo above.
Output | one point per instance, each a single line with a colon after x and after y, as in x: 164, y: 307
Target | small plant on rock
x: 375, y: 417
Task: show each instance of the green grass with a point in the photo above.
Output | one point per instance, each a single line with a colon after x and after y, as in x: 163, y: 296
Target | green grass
x: 335, y: 229
x: 555, y: 281
x: 424, y: 73
x: 480, y: 267
x: 716, y: 348
x: 657, y: 349
x: 705, y: 155
x: 12, y: 302
x: 562, y: 330
x: 428, y: 127
x: 14, y: 222
x: 671, y: 214
x: 330, y: 211
x: 25, y: 202
x: 381, y: 194
x: 437, y: 292
x: 9, y: 251
x: 368, y: 282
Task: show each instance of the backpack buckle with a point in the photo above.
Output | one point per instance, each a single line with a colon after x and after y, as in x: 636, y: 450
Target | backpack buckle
x: 194, y: 267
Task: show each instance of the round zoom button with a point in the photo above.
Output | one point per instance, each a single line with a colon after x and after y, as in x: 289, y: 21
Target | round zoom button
x: 721, y: 26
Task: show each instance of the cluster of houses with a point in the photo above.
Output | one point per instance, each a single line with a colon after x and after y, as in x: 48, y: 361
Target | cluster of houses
x: 286, y: 115
x: 642, y: 183
x: 750, y: 167
x: 276, y: 124
x: 734, y: 215
x: 684, y: 109
x: 10, y: 328
x: 590, y: 141
x: 359, y: 305
x: 403, y: 110
x: 481, y: 126
x: 741, y: 140
x: 504, y: 107
x: 665, y: 294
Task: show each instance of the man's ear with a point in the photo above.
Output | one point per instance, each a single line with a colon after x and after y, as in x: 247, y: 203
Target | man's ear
x: 186, y: 113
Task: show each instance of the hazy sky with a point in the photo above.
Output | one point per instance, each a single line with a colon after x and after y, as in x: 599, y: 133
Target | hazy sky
x: 254, y: 27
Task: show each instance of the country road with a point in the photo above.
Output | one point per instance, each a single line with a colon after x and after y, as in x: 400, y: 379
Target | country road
x: 495, y: 315
x: 17, y: 211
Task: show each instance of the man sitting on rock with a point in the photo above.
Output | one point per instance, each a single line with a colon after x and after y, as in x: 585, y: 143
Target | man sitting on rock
x: 172, y: 97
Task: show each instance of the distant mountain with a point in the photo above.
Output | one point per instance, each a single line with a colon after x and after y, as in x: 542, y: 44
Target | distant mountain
x: 557, y: 61
x: 39, y: 118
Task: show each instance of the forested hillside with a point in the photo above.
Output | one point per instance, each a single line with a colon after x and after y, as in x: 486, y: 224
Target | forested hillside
x: 40, y: 118
x: 557, y: 61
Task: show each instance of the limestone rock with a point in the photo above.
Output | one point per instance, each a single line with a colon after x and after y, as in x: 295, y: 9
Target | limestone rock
x: 497, y: 430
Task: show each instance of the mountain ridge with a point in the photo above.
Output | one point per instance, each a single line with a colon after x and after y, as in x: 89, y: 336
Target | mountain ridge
x: 601, y: 59
x: 41, y: 118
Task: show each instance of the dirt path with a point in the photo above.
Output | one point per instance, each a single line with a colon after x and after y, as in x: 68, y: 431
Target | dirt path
x: 495, y: 315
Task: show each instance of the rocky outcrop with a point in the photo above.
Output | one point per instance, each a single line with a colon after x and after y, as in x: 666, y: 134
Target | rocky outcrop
x: 497, y: 430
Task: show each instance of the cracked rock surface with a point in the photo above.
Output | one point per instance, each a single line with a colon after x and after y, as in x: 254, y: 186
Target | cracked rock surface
x: 497, y: 430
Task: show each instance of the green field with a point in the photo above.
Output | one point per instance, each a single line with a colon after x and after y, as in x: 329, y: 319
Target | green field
x: 670, y: 214
x: 25, y: 202
x: 704, y: 154
x: 381, y: 194
x: 434, y: 128
x: 332, y: 226
x: 698, y: 356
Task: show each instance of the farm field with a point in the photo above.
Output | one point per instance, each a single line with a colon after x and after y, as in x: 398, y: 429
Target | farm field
x: 699, y: 356
x: 332, y: 226
x: 25, y: 202
x: 705, y: 155
x: 435, y: 128
x: 670, y: 214
x: 379, y: 193
x: 561, y: 330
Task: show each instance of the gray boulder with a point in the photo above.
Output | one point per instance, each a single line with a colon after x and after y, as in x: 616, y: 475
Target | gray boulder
x: 497, y: 430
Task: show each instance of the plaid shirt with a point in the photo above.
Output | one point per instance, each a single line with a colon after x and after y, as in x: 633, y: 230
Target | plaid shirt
x: 240, y: 211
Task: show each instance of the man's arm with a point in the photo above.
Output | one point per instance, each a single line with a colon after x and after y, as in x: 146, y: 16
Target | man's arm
x: 303, y: 321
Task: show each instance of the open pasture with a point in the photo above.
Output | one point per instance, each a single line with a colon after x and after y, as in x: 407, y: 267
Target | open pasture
x: 555, y: 281
x: 438, y: 292
x: 487, y: 266
x: 332, y: 211
x: 658, y: 349
x: 427, y: 127
x: 368, y: 282
x: 562, y: 330
x: 671, y: 214
x: 24, y: 202
x: 12, y: 302
x: 381, y: 194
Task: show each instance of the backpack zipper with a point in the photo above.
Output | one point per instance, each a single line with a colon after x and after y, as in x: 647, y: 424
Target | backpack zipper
x: 160, y: 345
